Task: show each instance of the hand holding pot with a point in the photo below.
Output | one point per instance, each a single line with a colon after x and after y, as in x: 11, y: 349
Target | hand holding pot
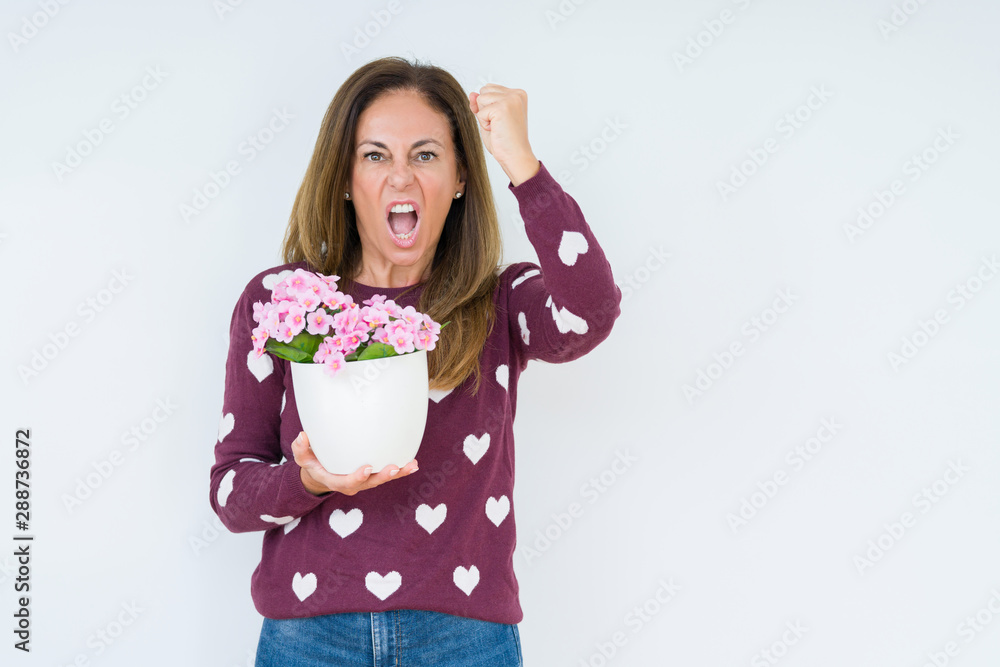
x: 318, y: 480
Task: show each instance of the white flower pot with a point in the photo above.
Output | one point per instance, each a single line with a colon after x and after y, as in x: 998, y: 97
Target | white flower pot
x: 372, y: 412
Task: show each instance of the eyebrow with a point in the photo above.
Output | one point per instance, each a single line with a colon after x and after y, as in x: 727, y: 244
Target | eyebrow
x: 415, y: 143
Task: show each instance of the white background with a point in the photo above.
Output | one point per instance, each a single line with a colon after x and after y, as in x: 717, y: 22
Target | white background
x: 660, y: 135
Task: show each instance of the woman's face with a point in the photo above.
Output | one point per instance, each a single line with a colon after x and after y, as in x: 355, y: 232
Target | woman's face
x: 403, y: 152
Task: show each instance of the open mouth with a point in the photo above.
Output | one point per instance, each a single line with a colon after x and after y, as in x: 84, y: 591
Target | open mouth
x: 403, y: 222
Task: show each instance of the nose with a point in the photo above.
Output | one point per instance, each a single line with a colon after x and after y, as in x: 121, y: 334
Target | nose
x: 401, y: 174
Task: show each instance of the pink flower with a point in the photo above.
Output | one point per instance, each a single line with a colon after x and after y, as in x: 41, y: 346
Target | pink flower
x: 259, y: 337
x: 271, y: 321
x: 300, y: 280
x: 337, y: 300
x: 322, y: 292
x: 431, y: 325
x: 425, y: 340
x: 331, y: 281
x: 308, y: 300
x: 375, y: 315
x: 334, y: 363
x: 411, y: 315
x: 319, y: 322
x: 393, y: 309
x: 345, y: 344
x: 380, y: 335
x: 278, y: 293
x: 346, y: 321
x: 400, y: 336
x: 281, y: 308
x: 296, y: 317
x: 284, y: 333
x: 325, y: 349
x: 260, y: 309
x: 376, y: 298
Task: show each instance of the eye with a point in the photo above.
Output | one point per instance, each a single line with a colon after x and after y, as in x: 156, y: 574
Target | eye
x: 431, y: 153
x: 366, y: 155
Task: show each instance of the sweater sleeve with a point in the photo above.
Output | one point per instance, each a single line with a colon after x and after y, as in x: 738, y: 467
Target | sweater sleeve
x: 251, y: 488
x: 563, y: 307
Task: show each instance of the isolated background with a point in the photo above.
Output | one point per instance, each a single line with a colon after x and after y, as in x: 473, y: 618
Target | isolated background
x: 641, y: 141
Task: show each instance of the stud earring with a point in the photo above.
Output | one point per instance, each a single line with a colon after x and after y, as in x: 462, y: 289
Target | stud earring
x: 457, y: 195
x: 347, y: 195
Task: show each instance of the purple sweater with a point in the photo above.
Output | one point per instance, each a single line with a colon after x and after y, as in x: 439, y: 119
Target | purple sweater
x: 443, y: 538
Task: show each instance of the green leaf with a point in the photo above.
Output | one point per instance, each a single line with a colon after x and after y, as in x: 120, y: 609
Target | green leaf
x: 307, y: 342
x: 377, y: 351
x: 287, y: 352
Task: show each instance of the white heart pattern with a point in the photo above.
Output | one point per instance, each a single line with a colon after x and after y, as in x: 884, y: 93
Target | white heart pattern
x: 272, y: 279
x: 522, y: 320
x: 225, y: 487
x: 345, y: 524
x: 567, y: 321
x: 466, y: 580
x: 280, y: 520
x: 303, y: 586
x: 475, y: 447
x: 503, y: 374
x: 430, y: 518
x: 497, y: 510
x: 572, y: 245
x: 226, y: 425
x: 291, y: 524
x: 437, y: 395
x: 261, y: 366
x: 527, y: 274
x: 382, y: 587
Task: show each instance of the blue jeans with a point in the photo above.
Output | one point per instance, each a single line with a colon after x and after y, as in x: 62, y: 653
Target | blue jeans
x: 403, y: 637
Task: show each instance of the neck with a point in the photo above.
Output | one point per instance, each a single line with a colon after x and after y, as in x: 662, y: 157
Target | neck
x: 392, y: 275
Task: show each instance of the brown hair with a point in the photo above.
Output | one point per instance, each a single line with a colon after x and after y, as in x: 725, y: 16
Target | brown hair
x: 322, y: 229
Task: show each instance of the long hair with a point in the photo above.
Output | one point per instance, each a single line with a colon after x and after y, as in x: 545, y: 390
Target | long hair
x: 323, y: 231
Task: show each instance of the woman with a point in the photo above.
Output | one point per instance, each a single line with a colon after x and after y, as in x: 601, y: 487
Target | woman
x: 408, y: 563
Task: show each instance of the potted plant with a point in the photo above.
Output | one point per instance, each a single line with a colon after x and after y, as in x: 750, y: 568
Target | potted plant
x: 359, y: 373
